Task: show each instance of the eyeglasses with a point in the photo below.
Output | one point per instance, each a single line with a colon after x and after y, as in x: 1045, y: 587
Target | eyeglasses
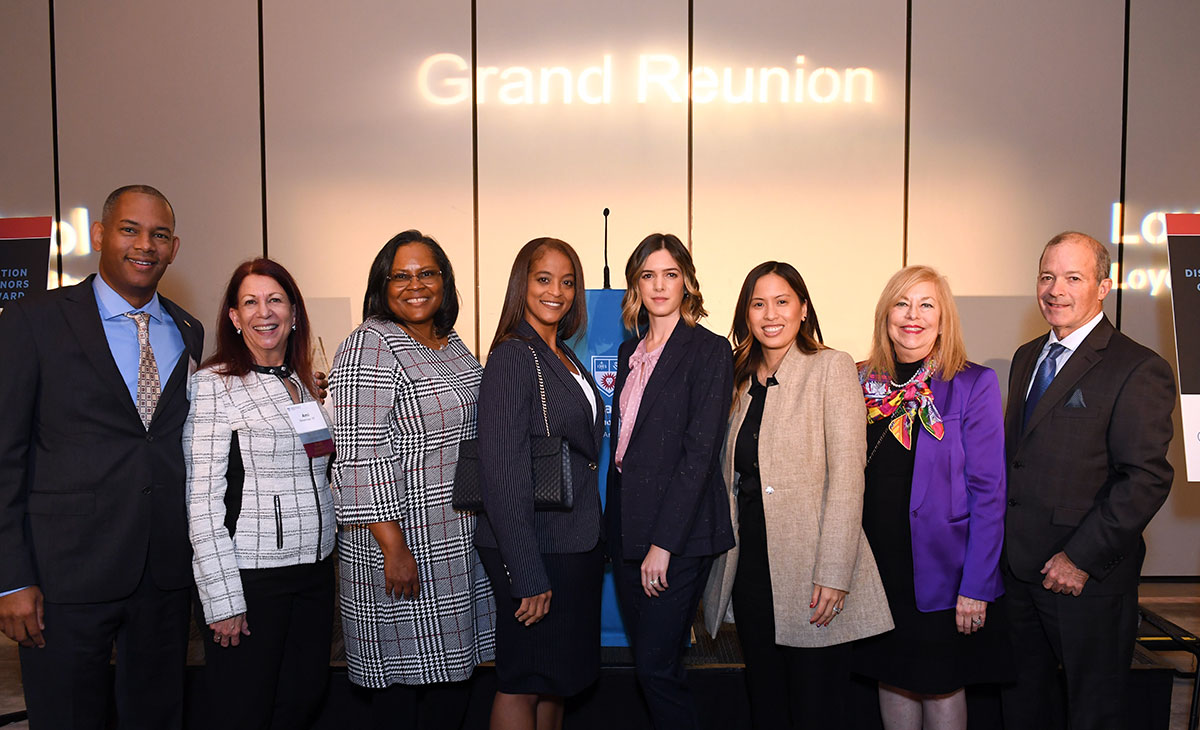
x: 403, y: 278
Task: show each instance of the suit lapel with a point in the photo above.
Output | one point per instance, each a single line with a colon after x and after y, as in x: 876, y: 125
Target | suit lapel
x: 675, y: 350
x: 191, y: 348
x: 1018, y: 384
x: 927, y: 446
x: 1082, y: 360
x: 83, y: 317
x: 598, y: 421
x: 552, y: 367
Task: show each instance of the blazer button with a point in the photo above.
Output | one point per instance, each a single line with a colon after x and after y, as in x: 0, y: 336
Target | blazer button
x: 1017, y: 465
x: 1013, y: 503
x: 150, y: 437
x: 146, y: 490
x: 769, y: 490
x: 592, y: 465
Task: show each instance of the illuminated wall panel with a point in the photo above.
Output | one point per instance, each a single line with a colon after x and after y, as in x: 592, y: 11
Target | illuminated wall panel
x: 798, y: 152
x: 1161, y: 175
x: 165, y: 94
x: 355, y: 151
x: 581, y: 108
x: 1015, y: 136
x: 26, y: 145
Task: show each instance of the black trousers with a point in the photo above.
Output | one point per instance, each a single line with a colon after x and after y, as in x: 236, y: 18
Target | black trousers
x: 658, y: 630
x: 1091, y: 636
x: 788, y: 687
x: 276, y: 676
x: 67, y: 683
x: 441, y: 706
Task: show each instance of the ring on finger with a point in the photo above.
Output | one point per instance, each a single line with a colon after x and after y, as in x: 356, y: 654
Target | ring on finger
x: 654, y: 581
x: 977, y: 621
x: 837, y: 610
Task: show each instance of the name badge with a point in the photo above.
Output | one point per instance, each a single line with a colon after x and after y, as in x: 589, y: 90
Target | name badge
x: 312, y: 429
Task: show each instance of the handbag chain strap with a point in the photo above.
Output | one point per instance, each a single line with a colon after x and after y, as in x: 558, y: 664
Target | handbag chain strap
x: 541, y: 389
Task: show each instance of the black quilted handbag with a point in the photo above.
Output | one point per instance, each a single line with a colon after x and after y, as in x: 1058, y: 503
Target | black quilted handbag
x: 551, y: 464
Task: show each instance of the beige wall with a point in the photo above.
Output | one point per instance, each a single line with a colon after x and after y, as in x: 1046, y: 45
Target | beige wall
x: 1015, y: 133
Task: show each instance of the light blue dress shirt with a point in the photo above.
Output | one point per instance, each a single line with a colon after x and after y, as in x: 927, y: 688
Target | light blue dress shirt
x: 121, y: 333
x: 1071, y: 342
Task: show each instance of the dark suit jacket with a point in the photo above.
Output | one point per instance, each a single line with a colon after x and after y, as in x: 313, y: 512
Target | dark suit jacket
x: 1091, y: 469
x: 510, y: 414
x: 87, y: 493
x: 670, y: 491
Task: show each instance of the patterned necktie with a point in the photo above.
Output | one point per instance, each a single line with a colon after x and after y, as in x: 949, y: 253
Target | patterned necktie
x: 1041, y: 381
x: 147, y: 385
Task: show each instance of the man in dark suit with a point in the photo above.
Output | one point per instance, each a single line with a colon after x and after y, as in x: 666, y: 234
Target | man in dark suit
x: 92, y: 520
x: 1087, y: 429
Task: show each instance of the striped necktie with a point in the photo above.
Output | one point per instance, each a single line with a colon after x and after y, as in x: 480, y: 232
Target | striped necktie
x: 147, y: 385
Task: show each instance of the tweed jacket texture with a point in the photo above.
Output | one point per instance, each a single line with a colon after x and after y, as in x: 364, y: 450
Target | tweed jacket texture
x: 286, y: 515
x: 811, y: 454
x: 401, y: 411
x: 510, y: 414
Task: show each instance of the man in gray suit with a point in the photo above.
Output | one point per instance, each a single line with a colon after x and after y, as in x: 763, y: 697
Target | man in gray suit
x: 1087, y: 428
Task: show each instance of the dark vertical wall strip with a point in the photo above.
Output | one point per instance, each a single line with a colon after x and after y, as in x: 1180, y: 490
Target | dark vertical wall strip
x: 907, y: 126
x: 262, y: 127
x: 81, y: 236
x: 690, y: 21
x: 1124, y: 153
x: 475, y: 172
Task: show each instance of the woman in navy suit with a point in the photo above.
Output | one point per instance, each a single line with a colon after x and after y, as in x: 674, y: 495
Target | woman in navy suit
x: 545, y: 566
x: 667, y: 514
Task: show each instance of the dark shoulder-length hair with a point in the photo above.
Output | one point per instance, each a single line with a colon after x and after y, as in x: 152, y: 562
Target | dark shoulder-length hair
x: 232, y: 357
x: 747, y: 352
x: 513, y: 311
x: 375, y: 302
x: 633, y: 313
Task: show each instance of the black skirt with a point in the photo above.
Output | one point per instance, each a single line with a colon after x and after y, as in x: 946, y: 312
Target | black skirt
x: 559, y: 655
x: 925, y: 653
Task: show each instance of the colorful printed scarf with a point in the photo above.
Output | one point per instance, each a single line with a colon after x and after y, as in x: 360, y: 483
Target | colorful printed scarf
x: 902, y: 403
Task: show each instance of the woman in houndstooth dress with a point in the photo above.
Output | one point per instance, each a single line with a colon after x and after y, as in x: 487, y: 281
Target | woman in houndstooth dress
x: 417, y: 610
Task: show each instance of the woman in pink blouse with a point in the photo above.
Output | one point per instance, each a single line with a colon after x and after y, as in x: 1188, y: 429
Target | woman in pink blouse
x: 666, y: 512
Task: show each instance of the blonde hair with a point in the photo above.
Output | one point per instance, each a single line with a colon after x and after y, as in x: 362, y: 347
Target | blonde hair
x: 948, y: 349
x: 633, y: 314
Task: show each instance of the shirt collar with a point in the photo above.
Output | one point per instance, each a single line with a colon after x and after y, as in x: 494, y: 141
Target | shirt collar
x: 113, y: 305
x: 1076, y: 338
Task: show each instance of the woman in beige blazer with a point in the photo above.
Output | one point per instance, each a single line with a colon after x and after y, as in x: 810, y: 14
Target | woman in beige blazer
x: 793, y: 460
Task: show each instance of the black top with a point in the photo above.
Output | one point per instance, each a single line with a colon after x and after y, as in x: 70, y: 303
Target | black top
x: 924, y: 653
x: 745, y: 449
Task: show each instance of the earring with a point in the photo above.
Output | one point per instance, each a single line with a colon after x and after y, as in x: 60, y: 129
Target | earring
x: 239, y: 330
x: 293, y: 326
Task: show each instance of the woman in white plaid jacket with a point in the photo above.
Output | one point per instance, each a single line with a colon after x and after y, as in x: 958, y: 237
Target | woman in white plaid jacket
x: 260, y: 510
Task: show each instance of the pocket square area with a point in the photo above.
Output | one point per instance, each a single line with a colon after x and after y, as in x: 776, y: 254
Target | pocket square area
x: 1076, y: 400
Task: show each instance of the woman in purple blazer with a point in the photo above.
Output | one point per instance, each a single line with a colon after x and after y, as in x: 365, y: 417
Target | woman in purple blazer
x: 933, y: 509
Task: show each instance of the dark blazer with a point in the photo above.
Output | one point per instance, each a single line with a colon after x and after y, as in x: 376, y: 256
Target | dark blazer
x: 1090, y: 469
x: 87, y: 493
x: 510, y: 414
x: 670, y: 491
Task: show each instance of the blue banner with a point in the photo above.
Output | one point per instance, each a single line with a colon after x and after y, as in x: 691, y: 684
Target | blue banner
x: 597, y: 349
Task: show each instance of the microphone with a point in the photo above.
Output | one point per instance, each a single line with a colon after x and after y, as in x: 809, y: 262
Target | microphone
x: 607, y: 283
